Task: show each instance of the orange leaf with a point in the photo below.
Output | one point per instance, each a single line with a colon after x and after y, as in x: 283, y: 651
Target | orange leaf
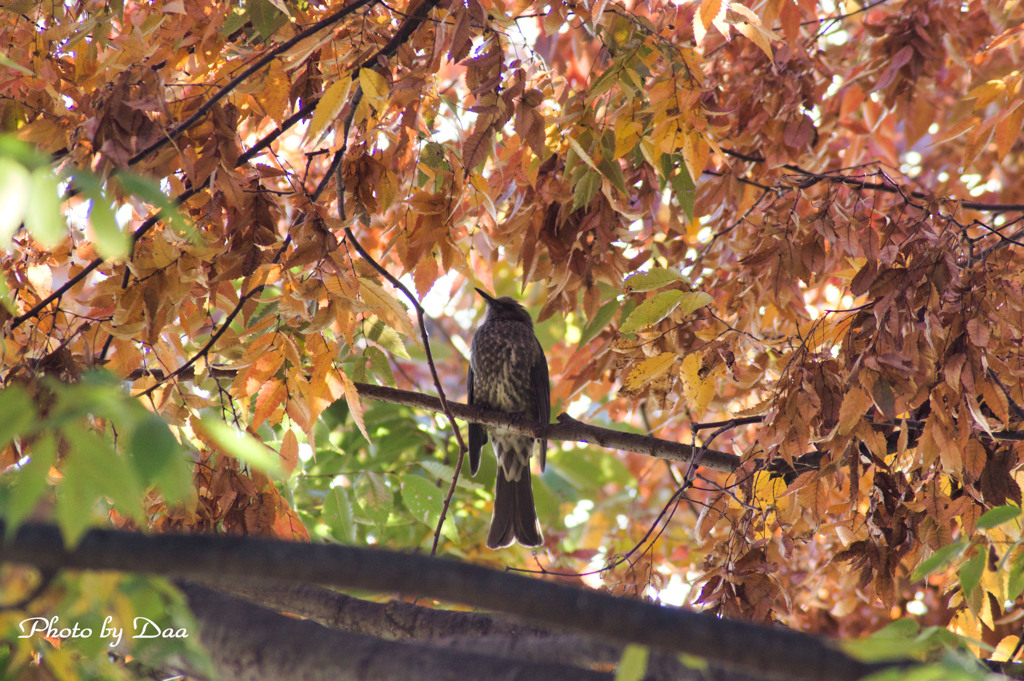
x: 270, y: 397
x: 354, y: 405
x: 289, y: 451
x: 855, y: 406
x: 1008, y: 130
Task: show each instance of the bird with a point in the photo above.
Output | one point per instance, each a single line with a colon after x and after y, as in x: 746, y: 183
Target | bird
x: 509, y: 372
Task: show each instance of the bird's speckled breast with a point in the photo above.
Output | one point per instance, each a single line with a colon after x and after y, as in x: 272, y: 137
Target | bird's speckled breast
x: 503, y: 354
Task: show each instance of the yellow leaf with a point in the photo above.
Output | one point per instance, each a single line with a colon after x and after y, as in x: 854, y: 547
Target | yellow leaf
x: 633, y: 665
x: 647, y: 371
x: 375, y: 87
x: 986, y: 93
x: 327, y: 109
x: 697, y: 390
x: 386, y: 307
x: 274, y: 95
x: 757, y: 35
x: 768, y: 489
x: 626, y: 137
x: 1006, y: 647
x: 695, y: 153
x: 710, y: 12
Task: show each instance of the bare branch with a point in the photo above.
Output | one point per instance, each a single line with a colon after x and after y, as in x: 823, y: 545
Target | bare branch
x: 567, y: 429
x: 248, y: 73
x: 733, y: 644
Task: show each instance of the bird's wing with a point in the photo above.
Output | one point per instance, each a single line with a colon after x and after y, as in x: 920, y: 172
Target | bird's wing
x: 542, y: 391
x: 477, y: 434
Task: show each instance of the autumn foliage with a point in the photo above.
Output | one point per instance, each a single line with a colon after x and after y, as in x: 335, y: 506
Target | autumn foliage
x: 784, y: 230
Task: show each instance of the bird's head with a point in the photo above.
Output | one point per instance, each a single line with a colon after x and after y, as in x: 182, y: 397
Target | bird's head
x: 505, y: 309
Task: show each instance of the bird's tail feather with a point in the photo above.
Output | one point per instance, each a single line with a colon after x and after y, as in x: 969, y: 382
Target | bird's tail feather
x: 515, y: 518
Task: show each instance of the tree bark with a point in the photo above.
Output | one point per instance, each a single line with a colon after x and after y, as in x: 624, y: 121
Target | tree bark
x: 739, y: 646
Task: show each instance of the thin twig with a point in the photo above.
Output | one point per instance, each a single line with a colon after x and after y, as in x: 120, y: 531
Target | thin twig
x: 730, y: 423
x: 445, y: 406
x: 215, y: 336
x: 411, y: 23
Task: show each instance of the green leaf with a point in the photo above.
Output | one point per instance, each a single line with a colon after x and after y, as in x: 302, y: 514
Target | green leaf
x: 603, y: 83
x: 940, y: 560
x: 338, y: 516
x: 611, y: 169
x: 580, y: 151
x: 380, y: 365
x: 677, y: 176
x: 1015, y: 582
x: 242, y: 446
x: 652, y: 311
x: 14, y: 195
x: 890, y: 642
x: 423, y: 498
x: 586, y: 189
x: 151, y: 447
x: 444, y: 473
x: 27, y: 155
x: 30, y: 483
x: 971, y: 571
x: 265, y: 17
x: 236, y: 19
x: 150, y: 192
x: 111, y: 241
x: 655, y: 278
x: 600, y: 322
x: 633, y: 663
x: 693, y: 662
x: 11, y: 64
x: 43, y: 218
x: 92, y: 472
x: 692, y: 301
x: 998, y: 516
x: 899, y: 629
x: 374, y: 497
x: 19, y: 414
x: 391, y: 446
x: 589, y: 470
x: 389, y: 339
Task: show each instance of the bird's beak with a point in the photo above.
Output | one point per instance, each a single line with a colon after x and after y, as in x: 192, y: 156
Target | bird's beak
x: 485, y: 295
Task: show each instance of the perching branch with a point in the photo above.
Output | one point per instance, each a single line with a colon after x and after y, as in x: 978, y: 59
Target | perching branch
x: 567, y: 429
